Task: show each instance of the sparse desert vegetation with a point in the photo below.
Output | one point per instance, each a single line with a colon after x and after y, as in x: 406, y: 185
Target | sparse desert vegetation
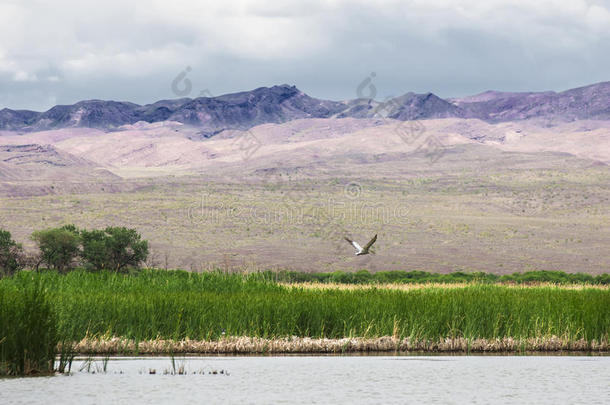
x: 499, y: 221
x: 501, y: 198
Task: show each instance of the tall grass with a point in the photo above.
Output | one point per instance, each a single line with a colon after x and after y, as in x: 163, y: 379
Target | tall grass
x: 399, y: 276
x: 177, y: 305
x: 28, y: 328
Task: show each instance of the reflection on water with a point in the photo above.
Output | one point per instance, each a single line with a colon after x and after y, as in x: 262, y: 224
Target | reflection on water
x: 323, y: 380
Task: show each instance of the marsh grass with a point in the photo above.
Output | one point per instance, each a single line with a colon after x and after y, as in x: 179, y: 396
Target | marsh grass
x: 28, y: 328
x: 398, y: 277
x: 65, y: 356
x: 91, y: 365
x: 173, y: 306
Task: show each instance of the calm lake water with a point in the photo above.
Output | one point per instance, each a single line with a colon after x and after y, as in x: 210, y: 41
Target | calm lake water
x: 324, y: 380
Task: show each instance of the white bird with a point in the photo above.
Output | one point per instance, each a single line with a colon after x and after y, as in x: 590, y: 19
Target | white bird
x: 362, y: 250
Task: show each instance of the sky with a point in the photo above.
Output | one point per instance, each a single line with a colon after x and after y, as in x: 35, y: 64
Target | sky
x: 60, y: 52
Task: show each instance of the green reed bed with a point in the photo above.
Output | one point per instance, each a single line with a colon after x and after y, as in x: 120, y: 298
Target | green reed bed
x: 28, y: 328
x: 177, y: 305
x: 417, y: 276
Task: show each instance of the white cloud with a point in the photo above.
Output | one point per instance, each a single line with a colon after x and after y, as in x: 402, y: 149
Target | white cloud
x: 22, y: 76
x: 135, y: 63
x: 317, y: 44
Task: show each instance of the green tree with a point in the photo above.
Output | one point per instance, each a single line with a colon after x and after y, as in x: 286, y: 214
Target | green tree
x: 95, y: 249
x: 114, y: 248
x: 59, y: 247
x: 11, y: 254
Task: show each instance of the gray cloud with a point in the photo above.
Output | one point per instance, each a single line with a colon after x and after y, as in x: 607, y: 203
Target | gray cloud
x: 64, y: 51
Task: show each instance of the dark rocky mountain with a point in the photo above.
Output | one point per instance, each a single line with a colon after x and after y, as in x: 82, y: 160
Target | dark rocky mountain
x: 161, y: 110
x: 409, y: 106
x: 413, y: 106
x: 283, y: 103
x: 247, y: 109
x: 16, y: 119
x: 589, y: 102
x: 213, y: 114
x: 89, y: 113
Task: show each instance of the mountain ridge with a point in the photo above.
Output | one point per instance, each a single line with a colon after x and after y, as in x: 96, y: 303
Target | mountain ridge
x: 282, y: 103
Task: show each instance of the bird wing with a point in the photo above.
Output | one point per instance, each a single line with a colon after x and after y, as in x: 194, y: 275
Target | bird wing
x: 368, y: 245
x: 354, y: 244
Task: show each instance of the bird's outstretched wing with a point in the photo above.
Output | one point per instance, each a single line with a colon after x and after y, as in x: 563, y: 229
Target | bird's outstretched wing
x: 354, y: 244
x: 368, y: 245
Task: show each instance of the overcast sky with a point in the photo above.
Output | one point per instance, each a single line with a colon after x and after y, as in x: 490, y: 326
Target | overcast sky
x: 59, y: 52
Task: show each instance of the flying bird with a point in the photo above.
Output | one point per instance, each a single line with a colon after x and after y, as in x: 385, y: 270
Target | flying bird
x: 362, y: 250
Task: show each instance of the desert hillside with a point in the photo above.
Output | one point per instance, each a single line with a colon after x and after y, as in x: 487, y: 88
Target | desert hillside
x: 280, y: 187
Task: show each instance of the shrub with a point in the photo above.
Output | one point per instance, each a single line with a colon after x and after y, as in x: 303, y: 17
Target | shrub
x: 59, y: 247
x: 11, y: 254
x: 114, y: 248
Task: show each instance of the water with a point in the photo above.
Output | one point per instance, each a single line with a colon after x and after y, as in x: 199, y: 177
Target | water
x: 325, y: 380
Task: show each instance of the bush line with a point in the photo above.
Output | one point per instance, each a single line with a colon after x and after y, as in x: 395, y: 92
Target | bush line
x: 400, y: 276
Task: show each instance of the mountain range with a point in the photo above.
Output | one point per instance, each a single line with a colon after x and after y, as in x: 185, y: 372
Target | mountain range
x: 283, y: 103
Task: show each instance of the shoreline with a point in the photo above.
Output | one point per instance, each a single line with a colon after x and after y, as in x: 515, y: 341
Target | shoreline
x: 306, y: 345
x: 309, y: 285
